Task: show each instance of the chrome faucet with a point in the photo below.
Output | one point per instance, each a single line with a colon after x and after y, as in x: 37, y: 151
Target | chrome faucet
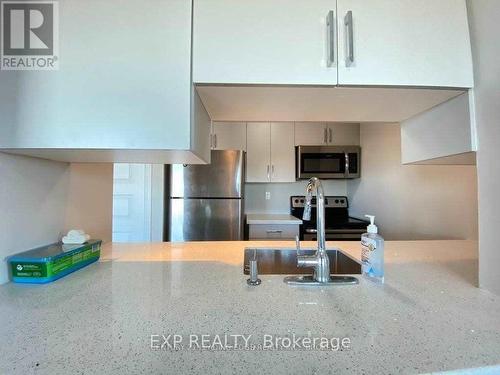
x: 319, y: 261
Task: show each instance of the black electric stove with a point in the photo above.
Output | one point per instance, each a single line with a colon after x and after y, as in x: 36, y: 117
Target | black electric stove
x: 338, y: 224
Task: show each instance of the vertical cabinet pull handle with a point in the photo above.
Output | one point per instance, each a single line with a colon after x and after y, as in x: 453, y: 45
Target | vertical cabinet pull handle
x: 346, y: 165
x: 268, y: 174
x: 272, y: 170
x: 330, y: 133
x: 349, y: 39
x: 325, y: 136
x: 330, y: 27
x: 215, y: 140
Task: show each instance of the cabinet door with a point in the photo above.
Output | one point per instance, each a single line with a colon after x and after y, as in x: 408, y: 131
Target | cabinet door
x: 258, y: 152
x: 229, y: 136
x: 282, y: 152
x: 443, y: 135
x: 341, y: 134
x: 262, y: 41
x: 310, y: 134
x: 92, y: 101
x: 404, y: 42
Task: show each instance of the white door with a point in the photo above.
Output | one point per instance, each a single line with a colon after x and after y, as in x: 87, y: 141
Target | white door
x: 404, y: 42
x: 262, y: 41
x: 310, y: 134
x: 229, y: 136
x: 258, y: 152
x: 343, y: 134
x: 282, y: 152
x: 132, y: 203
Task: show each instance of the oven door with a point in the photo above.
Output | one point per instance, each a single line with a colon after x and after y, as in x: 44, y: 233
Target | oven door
x: 335, y: 234
x: 323, y: 162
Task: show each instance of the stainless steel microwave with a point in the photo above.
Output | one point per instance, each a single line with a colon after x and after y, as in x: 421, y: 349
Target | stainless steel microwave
x: 327, y: 162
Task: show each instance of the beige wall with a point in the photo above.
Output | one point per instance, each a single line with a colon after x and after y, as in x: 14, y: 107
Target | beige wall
x: 90, y: 199
x: 41, y: 199
x: 412, y: 201
x: 33, y: 195
x: 485, y: 28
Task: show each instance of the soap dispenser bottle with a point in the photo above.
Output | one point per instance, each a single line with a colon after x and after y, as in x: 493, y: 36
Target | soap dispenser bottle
x: 372, y: 252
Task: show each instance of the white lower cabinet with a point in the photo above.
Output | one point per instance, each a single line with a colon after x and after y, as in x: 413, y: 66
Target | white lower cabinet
x: 270, y: 152
x: 229, y: 136
x: 273, y: 231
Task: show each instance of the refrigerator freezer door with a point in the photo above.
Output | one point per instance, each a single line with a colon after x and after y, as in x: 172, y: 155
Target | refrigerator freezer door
x: 222, y: 178
x: 206, y: 220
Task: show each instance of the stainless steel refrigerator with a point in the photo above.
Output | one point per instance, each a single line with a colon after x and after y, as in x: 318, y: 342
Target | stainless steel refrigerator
x: 206, y: 201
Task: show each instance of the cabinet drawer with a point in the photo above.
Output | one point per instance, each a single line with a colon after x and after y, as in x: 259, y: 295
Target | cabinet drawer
x: 273, y: 231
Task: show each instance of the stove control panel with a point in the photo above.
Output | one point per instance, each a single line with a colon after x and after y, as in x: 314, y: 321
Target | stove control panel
x: 330, y: 202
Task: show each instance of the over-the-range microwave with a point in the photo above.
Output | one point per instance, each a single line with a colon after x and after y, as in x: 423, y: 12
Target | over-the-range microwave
x: 327, y: 162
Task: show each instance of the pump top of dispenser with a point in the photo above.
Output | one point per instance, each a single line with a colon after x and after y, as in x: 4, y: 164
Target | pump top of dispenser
x: 372, y: 228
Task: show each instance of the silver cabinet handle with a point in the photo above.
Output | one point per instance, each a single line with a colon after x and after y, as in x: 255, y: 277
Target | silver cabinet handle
x: 325, y: 136
x: 346, y: 164
x: 272, y: 170
x: 268, y: 175
x: 275, y: 231
x: 215, y: 140
x: 330, y: 27
x: 330, y: 135
x: 349, y: 38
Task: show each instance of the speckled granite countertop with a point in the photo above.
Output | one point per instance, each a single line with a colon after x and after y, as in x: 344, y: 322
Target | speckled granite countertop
x: 427, y: 317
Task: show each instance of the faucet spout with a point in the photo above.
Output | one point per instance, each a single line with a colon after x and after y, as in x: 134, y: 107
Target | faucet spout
x: 319, y: 260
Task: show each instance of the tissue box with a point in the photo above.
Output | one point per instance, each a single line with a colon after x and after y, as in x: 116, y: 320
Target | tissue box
x: 49, y: 263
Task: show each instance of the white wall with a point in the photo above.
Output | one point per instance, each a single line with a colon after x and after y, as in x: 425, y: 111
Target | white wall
x: 412, y: 201
x: 33, y: 195
x: 255, y: 195
x: 485, y: 28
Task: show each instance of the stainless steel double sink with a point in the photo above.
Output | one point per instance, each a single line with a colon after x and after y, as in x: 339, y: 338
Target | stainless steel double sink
x: 284, y: 262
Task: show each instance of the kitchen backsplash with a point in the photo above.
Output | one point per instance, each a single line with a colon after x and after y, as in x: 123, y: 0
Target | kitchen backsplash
x: 279, y: 200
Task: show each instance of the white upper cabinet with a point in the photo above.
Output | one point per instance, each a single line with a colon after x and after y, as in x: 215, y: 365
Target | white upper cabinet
x: 422, y: 43
x: 404, y: 43
x: 229, y: 136
x: 282, y: 152
x: 311, y: 134
x: 258, y: 167
x: 123, y: 91
x: 270, y: 152
x: 340, y: 134
x: 264, y: 42
x: 320, y: 133
x: 446, y: 134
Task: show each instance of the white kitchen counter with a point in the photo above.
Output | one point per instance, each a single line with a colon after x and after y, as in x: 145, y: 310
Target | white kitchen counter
x: 428, y: 316
x: 272, y: 219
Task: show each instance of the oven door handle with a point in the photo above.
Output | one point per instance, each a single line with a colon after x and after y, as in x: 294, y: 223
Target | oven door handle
x: 333, y: 231
x: 357, y: 231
